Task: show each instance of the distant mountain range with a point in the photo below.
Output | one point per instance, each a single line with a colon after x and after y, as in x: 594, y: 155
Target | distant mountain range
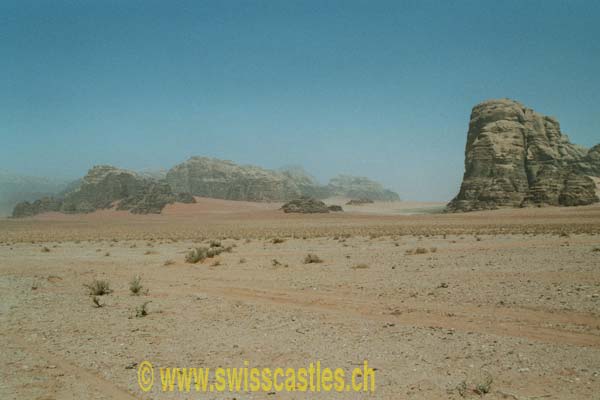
x: 149, y: 191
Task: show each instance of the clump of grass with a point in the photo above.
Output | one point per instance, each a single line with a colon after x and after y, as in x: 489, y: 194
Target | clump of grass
x: 135, y: 286
x: 168, y: 262
x: 107, y: 254
x: 596, y: 250
x: 277, y: 240
x: 45, y: 249
x: 242, y: 260
x: 98, y: 288
x: 215, y: 243
x: 433, y: 249
x: 360, y: 266
x: 142, y: 309
x: 312, y: 259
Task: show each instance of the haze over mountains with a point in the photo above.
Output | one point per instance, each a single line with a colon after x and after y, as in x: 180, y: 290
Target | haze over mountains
x: 148, y: 191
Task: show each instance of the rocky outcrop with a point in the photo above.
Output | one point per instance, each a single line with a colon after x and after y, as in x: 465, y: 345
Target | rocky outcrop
x: 103, y: 187
x: 516, y: 157
x: 45, y: 204
x: 209, y: 177
x: 305, y: 205
x: 360, y: 187
x: 359, y: 202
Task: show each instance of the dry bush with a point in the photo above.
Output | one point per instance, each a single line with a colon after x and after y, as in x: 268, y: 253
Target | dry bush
x: 312, y: 259
x: 142, y: 309
x: 168, y: 262
x: 360, y: 266
x: 277, y: 240
x: 98, y: 288
x: 135, y: 285
x: 196, y: 255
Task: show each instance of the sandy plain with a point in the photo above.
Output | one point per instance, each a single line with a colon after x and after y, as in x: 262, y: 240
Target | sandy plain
x: 508, y: 295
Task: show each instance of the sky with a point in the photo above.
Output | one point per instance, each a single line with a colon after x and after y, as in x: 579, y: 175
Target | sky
x: 381, y: 89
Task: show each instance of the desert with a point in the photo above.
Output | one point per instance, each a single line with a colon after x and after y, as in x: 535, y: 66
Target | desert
x: 438, y: 303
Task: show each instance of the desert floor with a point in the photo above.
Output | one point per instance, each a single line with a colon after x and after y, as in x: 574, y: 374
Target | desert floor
x: 511, y: 295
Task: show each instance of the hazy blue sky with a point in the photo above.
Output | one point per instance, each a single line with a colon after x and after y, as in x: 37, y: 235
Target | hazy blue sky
x: 376, y: 88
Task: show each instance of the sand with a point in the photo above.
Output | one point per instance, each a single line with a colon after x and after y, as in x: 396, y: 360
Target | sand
x: 513, y: 294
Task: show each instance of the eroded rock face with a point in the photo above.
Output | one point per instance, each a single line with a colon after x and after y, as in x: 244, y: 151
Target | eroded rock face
x: 209, y: 177
x: 516, y: 157
x: 103, y: 187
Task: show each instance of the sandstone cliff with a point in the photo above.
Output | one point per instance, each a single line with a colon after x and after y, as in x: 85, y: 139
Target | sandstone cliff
x: 516, y: 157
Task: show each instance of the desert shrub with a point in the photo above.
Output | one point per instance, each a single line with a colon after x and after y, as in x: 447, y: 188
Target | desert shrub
x: 312, y: 259
x: 360, y: 266
x: 168, y: 262
x: 142, y: 309
x: 215, y: 243
x: 135, y: 285
x: 277, y: 240
x: 196, y: 255
x: 98, y: 287
x: 433, y: 249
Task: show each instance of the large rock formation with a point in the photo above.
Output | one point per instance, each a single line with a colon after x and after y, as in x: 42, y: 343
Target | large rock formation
x: 516, y: 157
x: 101, y: 187
x: 209, y: 177
x: 105, y: 186
x: 360, y: 188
